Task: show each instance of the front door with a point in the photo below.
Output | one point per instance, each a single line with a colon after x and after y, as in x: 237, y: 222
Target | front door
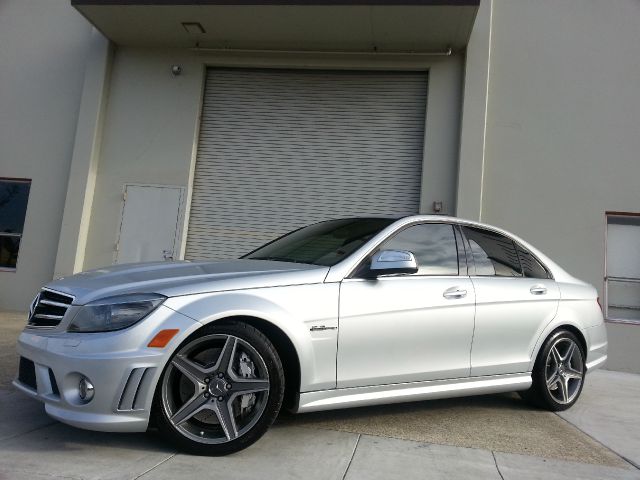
x: 408, y: 328
x: 150, y: 225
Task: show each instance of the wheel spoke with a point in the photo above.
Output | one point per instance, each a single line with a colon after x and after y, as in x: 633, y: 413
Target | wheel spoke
x: 553, y: 380
x: 572, y: 373
x: 570, y: 352
x: 224, y: 412
x: 194, y: 405
x: 252, y: 385
x: 226, y: 355
x: 556, y: 355
x: 190, y: 369
x: 564, y: 389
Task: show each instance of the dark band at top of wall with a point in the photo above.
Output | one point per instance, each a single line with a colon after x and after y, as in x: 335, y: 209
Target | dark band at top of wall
x: 279, y: 2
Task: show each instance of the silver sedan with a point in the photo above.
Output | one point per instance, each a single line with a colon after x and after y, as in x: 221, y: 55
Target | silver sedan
x: 338, y: 314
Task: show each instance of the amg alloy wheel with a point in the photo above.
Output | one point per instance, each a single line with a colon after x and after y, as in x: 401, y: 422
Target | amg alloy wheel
x: 221, y: 390
x: 558, y: 374
x: 564, y: 370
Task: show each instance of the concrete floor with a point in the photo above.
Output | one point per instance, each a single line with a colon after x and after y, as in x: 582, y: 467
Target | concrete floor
x: 11, y: 324
x: 492, y: 437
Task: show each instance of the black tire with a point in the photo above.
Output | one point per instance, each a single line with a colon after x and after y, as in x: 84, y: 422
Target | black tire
x: 558, y: 396
x: 271, y: 400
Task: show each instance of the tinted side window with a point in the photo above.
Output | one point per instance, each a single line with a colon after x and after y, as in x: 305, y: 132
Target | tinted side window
x: 433, y: 244
x: 493, y: 254
x: 531, y: 267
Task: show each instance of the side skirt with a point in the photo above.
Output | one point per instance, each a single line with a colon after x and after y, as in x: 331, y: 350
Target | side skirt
x: 411, y: 392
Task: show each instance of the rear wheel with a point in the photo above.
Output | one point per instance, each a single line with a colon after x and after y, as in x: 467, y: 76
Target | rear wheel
x: 220, y: 391
x: 558, y: 374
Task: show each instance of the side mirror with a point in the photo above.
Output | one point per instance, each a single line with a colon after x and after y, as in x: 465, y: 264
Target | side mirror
x: 386, y: 262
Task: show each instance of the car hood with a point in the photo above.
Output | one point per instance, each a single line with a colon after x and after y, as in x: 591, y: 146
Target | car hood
x: 183, y: 278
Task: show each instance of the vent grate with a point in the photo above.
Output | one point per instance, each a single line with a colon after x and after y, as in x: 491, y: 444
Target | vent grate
x: 27, y: 373
x: 54, y: 385
x: 137, y: 384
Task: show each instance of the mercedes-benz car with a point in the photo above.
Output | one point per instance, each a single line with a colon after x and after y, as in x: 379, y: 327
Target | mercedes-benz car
x: 341, y: 313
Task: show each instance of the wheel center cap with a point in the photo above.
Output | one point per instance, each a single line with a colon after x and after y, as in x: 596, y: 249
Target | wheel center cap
x: 217, y: 387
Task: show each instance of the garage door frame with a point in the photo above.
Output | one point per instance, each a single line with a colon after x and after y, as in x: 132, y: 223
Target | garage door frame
x: 444, y: 98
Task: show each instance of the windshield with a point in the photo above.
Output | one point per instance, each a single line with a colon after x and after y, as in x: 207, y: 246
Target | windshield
x: 324, y: 243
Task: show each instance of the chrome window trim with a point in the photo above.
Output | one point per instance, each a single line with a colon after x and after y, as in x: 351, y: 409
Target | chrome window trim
x: 346, y: 267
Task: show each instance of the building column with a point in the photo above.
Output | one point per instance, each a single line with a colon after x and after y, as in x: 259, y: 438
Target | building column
x: 474, y: 115
x: 84, y: 162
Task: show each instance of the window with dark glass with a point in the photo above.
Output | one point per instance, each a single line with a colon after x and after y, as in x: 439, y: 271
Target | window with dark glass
x: 494, y: 255
x: 14, y: 195
x: 324, y: 243
x: 433, y: 245
x: 531, y: 267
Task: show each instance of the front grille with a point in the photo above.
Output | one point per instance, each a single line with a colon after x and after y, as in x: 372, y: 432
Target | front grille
x: 27, y: 373
x: 48, y: 309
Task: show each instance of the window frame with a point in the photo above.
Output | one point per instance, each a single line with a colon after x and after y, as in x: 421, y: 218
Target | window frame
x: 471, y: 261
x: 357, y: 271
x: 535, y: 257
x: 606, y: 277
x: 29, y: 181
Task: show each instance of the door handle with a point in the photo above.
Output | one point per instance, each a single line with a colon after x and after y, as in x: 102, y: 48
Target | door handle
x: 454, y: 292
x: 538, y: 290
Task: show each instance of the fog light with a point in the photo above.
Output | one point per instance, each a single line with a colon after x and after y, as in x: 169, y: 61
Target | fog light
x: 85, y: 389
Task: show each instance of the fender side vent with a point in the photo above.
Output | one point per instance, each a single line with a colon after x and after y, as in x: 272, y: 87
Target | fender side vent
x: 133, y: 394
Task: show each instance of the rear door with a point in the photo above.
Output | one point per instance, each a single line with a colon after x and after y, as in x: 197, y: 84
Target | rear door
x: 515, y: 300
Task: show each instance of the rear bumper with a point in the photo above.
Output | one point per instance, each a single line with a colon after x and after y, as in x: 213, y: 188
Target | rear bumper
x: 123, y: 370
x: 598, y: 345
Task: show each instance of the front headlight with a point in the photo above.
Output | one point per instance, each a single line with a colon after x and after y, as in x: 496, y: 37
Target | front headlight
x: 115, y: 313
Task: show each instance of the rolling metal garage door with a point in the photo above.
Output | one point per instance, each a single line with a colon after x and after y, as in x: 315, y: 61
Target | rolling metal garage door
x: 279, y: 149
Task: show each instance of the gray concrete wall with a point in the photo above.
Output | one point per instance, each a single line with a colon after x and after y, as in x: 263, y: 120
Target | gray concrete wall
x: 150, y: 127
x: 562, y: 142
x: 43, y: 46
x: 147, y: 137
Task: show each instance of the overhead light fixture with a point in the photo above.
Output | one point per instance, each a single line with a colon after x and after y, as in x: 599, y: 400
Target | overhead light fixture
x: 193, y: 28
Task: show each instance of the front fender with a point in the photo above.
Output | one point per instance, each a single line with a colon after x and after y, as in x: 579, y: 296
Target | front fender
x: 293, y: 309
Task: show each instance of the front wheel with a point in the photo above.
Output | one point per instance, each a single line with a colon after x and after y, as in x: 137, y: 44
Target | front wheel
x: 220, y: 391
x: 558, y: 374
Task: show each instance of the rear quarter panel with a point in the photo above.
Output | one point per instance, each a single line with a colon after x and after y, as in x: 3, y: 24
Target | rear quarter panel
x: 578, y: 308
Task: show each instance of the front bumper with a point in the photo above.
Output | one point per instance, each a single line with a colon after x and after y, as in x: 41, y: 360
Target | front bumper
x: 123, y: 370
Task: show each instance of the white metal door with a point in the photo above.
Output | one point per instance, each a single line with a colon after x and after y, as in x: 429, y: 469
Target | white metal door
x: 150, y: 225
x: 279, y: 149
x: 404, y: 329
